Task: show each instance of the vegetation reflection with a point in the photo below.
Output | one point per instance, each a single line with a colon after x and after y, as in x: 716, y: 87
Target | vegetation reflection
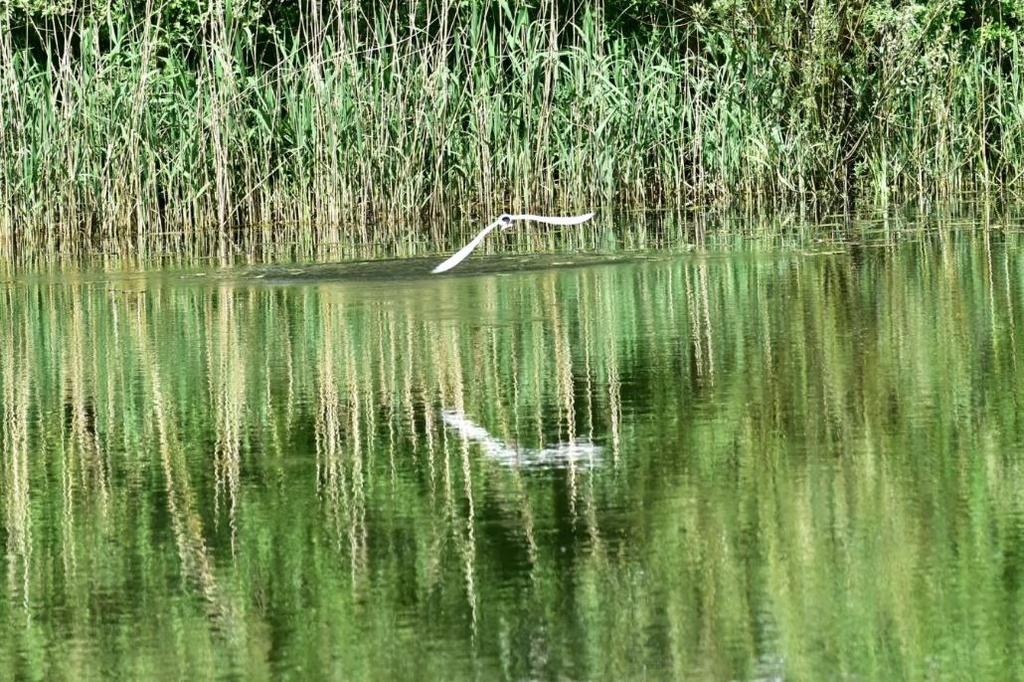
x: 811, y: 463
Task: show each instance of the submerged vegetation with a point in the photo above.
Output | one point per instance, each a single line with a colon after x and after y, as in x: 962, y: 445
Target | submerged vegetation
x: 128, y: 123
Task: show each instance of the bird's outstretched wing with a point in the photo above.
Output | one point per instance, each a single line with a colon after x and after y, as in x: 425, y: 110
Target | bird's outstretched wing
x: 462, y: 253
x: 554, y: 220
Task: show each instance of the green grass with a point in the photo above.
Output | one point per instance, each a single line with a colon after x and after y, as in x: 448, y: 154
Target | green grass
x: 365, y: 131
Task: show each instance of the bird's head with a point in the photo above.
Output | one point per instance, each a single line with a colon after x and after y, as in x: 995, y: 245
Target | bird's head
x: 505, y: 220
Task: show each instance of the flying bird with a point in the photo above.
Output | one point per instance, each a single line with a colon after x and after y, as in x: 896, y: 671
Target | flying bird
x: 505, y: 220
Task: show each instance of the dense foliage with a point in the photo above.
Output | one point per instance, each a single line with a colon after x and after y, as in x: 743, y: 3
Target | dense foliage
x: 215, y: 121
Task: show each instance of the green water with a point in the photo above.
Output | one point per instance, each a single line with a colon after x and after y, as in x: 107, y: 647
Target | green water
x: 762, y: 462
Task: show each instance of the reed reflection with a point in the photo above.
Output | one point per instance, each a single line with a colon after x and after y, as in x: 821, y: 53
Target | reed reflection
x: 747, y: 460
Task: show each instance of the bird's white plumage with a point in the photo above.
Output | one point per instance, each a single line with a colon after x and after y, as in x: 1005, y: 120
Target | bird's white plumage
x: 461, y: 254
x: 464, y: 252
x: 554, y: 220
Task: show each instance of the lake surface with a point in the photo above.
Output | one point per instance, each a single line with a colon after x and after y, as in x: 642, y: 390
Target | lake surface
x: 747, y: 463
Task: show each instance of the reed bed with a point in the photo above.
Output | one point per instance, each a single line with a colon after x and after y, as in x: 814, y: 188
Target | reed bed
x: 373, y: 128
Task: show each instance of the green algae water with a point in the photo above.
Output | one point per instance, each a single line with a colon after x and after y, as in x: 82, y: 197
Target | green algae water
x: 753, y: 463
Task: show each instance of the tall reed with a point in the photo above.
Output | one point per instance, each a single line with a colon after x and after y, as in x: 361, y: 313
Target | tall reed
x: 359, y: 129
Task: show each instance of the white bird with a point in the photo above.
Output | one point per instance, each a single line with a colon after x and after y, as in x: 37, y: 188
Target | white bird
x: 505, y: 220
